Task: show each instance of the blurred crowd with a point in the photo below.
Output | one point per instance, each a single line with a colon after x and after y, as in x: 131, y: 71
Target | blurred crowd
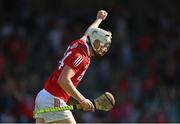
x: 141, y: 69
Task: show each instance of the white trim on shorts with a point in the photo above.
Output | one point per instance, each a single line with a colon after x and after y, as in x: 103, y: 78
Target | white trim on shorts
x: 46, y: 100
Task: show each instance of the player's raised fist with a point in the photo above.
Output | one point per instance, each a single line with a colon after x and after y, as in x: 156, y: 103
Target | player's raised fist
x: 102, y: 14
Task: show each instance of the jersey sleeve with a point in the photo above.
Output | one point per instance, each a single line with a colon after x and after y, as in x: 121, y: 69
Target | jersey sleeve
x: 75, y: 61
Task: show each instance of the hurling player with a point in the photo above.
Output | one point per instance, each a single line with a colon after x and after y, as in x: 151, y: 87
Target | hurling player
x: 62, y: 83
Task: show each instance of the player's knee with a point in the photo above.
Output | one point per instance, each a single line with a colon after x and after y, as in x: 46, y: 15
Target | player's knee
x: 68, y: 121
x: 39, y: 120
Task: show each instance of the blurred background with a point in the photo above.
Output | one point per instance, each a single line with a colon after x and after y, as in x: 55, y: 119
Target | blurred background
x: 141, y: 69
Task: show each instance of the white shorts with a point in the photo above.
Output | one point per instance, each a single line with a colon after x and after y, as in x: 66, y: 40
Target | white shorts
x: 46, y: 100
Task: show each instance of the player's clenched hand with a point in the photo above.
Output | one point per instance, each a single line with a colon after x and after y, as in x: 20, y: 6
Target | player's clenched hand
x: 102, y: 14
x: 87, y: 105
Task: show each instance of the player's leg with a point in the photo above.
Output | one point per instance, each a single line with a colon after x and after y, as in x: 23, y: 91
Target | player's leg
x: 46, y: 100
x: 39, y: 120
x: 69, y: 121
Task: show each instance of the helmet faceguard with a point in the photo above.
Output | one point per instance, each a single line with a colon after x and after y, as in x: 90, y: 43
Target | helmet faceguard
x: 104, y: 38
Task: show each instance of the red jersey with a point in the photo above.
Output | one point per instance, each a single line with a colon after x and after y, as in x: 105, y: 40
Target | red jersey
x: 77, y: 56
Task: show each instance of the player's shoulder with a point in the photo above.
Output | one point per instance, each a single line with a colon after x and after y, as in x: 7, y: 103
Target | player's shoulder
x: 79, y: 56
x: 78, y: 44
x: 77, y: 59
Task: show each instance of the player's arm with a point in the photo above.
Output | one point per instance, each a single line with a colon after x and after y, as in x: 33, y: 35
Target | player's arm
x: 65, y: 82
x: 101, y: 15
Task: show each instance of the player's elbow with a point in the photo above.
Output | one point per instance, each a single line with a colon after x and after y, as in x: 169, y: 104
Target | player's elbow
x: 63, y: 81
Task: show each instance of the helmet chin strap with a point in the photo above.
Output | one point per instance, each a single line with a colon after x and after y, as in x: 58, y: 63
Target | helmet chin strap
x: 89, y: 43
